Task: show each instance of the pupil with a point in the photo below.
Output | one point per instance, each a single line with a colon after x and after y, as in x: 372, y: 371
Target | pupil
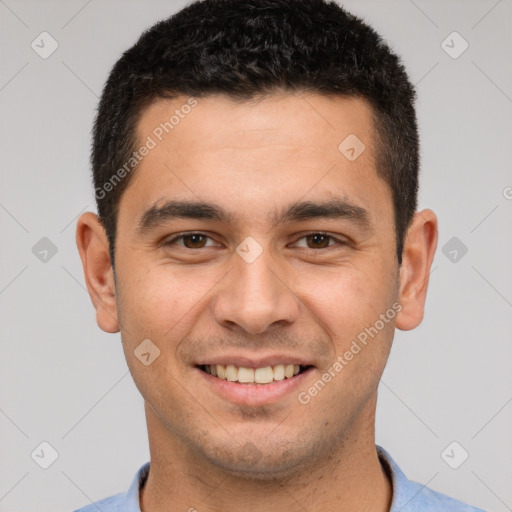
x: 315, y: 239
x: 195, y: 239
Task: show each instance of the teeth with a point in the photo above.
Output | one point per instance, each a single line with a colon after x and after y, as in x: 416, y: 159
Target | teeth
x: 264, y: 375
x: 249, y: 375
x: 231, y: 373
x: 279, y: 372
x: 245, y: 375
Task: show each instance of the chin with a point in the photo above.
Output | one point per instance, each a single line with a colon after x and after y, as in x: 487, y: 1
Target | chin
x: 263, y: 463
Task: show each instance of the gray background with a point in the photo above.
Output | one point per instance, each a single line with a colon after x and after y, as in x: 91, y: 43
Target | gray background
x: 66, y: 382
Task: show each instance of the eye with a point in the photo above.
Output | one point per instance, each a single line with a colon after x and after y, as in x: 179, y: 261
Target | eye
x: 319, y: 240
x: 316, y: 240
x: 191, y: 241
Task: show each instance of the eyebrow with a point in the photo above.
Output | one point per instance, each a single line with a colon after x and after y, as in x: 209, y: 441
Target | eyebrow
x: 337, y: 208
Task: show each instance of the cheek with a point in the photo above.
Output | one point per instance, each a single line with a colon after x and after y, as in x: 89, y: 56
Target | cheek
x: 159, y: 302
x: 345, y: 299
x: 348, y: 304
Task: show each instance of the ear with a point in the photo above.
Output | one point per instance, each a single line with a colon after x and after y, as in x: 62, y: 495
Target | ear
x: 93, y: 246
x: 419, y: 249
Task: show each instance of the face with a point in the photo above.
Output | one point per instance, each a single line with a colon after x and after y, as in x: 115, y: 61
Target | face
x: 248, y: 238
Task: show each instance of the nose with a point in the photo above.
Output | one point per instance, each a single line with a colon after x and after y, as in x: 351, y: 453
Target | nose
x: 255, y: 297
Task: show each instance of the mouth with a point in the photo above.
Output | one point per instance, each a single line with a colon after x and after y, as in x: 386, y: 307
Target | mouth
x: 250, y: 380
x: 262, y: 376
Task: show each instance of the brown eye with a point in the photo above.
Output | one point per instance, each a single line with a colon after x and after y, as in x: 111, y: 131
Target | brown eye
x: 192, y: 241
x: 318, y: 241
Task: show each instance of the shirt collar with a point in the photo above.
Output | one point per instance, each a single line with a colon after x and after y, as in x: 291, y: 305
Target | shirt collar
x: 131, y: 501
x: 400, y: 485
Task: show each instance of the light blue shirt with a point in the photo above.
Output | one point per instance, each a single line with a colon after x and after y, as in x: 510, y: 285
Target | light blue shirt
x: 407, y: 496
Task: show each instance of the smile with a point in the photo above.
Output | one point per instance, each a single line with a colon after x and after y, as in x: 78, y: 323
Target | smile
x: 243, y: 375
x: 245, y: 388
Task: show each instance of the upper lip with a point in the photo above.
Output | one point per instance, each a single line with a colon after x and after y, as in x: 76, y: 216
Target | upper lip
x: 251, y: 361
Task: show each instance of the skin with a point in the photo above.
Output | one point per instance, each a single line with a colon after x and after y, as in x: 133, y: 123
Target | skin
x: 297, y: 297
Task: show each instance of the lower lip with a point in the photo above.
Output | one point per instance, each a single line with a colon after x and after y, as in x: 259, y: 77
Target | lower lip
x: 255, y: 394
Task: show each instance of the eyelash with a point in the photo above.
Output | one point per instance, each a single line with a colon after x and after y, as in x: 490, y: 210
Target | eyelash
x: 321, y: 233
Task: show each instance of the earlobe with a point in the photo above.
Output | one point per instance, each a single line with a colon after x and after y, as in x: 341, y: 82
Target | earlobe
x: 93, y: 247
x: 419, y: 249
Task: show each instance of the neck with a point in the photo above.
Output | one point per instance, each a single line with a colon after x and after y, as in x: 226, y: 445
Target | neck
x: 349, y: 478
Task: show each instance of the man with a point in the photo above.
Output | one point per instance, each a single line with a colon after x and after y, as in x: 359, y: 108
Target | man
x: 256, y: 173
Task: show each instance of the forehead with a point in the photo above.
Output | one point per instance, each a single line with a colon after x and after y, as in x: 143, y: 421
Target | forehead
x: 272, y: 150
x: 281, y: 122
